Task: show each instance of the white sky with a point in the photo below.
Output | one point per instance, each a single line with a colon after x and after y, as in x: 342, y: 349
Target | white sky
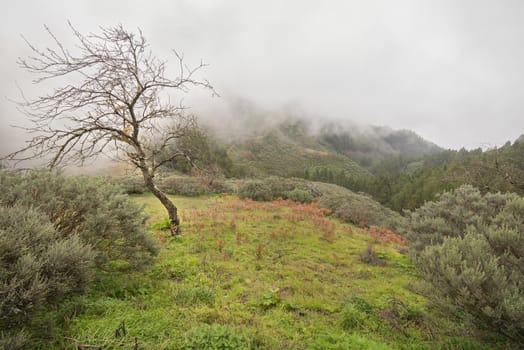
x: 452, y: 71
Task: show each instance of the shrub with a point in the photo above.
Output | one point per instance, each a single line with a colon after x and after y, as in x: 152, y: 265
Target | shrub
x: 37, y: 266
x: 183, y: 185
x: 281, y: 186
x: 476, y: 259
x: 352, y: 207
x: 369, y: 256
x: 357, y: 208
x: 452, y: 214
x: 217, y: 337
x: 98, y: 212
x: 256, y: 190
x: 193, y: 186
x: 131, y: 184
x: 299, y: 195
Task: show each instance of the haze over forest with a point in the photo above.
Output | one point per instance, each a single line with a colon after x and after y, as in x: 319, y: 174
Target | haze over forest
x: 450, y: 71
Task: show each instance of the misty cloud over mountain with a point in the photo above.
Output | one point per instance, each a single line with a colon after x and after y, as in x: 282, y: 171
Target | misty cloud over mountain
x: 450, y: 71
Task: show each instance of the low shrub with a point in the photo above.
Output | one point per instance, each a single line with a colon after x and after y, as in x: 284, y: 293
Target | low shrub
x: 278, y: 187
x: 95, y: 210
x: 192, y: 186
x: 452, y: 214
x: 281, y: 186
x: 256, y: 190
x: 299, y: 195
x: 357, y: 208
x: 349, y: 206
x: 470, y: 248
x: 38, y: 267
x: 369, y: 256
x: 131, y: 184
x: 182, y: 185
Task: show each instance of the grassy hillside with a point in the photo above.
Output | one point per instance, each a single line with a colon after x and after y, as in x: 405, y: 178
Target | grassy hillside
x: 271, y: 275
x: 288, y: 150
x: 372, y: 145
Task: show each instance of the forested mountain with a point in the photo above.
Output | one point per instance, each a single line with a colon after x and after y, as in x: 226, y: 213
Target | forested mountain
x: 290, y: 149
x: 332, y: 152
x: 401, y: 184
x: 374, y: 144
x: 397, y: 167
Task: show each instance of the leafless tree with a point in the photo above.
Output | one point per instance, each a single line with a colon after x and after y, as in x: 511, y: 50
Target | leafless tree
x: 113, y: 98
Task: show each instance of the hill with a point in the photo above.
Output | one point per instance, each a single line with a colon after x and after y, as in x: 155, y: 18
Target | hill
x: 251, y: 275
x: 288, y: 149
x: 407, y: 185
x: 327, y: 152
x: 373, y: 144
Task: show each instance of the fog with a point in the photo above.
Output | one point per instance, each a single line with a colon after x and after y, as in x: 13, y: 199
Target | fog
x: 449, y: 70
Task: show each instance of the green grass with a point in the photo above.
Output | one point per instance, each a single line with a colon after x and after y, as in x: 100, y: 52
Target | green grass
x: 275, y: 275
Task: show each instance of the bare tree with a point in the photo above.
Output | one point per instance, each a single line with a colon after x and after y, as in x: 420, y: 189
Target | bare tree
x: 113, y: 98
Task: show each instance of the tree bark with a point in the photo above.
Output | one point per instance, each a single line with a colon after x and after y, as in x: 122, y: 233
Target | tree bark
x: 171, y: 209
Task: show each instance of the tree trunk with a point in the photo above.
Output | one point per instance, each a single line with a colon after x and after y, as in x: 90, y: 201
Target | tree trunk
x: 171, y: 209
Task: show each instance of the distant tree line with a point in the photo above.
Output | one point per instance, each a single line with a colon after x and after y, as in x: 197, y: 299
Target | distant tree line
x: 404, y: 184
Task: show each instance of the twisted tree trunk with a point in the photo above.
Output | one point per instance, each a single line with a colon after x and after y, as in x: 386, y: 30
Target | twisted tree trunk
x: 171, y: 209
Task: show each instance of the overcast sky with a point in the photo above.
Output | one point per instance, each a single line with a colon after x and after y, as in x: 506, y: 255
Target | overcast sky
x: 452, y: 71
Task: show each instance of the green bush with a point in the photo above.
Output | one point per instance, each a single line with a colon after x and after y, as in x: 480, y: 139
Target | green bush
x: 217, y: 337
x: 357, y: 208
x: 299, y: 195
x: 256, y: 190
x: 98, y: 212
x: 193, y: 186
x: 476, y: 260
x: 131, y: 184
x: 280, y: 186
x: 452, y: 214
x: 37, y: 267
x: 183, y: 185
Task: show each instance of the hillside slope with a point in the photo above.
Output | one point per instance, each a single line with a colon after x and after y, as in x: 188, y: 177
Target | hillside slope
x: 249, y: 275
x: 408, y: 186
x: 289, y: 150
x: 373, y: 144
x: 329, y: 152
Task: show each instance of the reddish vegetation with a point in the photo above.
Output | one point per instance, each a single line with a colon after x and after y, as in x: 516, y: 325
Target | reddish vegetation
x: 223, y: 221
x: 260, y: 249
x: 385, y: 235
x: 220, y: 244
x: 238, y: 238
